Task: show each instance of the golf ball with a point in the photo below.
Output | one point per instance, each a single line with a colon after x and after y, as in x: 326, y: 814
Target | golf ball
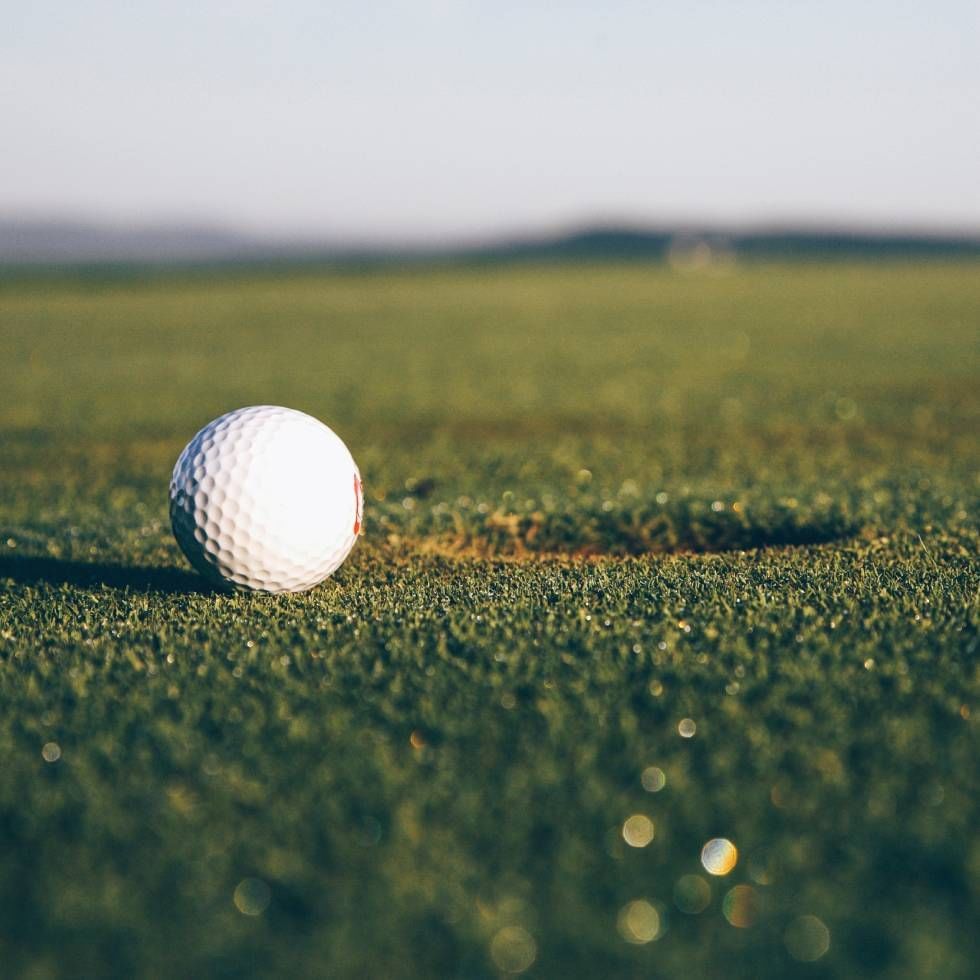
x: 266, y: 498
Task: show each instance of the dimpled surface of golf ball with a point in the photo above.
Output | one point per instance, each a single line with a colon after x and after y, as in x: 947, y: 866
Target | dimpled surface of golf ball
x: 267, y: 499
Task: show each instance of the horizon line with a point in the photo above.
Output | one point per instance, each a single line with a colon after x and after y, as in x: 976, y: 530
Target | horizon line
x: 511, y: 233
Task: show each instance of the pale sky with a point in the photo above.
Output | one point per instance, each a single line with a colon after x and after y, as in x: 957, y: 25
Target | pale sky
x: 416, y: 119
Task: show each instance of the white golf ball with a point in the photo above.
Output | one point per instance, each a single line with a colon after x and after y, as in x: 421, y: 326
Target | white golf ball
x: 266, y: 498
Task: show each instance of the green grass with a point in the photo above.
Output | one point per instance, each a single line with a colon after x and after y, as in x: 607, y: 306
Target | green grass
x: 600, y: 501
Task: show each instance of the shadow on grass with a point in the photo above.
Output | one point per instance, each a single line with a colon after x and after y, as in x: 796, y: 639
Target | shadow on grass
x: 138, y: 578
x: 720, y: 537
x: 621, y: 535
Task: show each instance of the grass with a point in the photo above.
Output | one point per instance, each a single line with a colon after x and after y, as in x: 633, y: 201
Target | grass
x: 603, y: 503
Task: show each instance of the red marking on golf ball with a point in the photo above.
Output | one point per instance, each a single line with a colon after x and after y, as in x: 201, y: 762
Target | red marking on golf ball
x: 358, y: 503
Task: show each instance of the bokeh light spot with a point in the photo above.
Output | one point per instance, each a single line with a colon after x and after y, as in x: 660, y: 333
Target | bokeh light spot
x: 639, y: 922
x: 741, y: 906
x: 719, y: 856
x: 807, y: 938
x: 692, y: 894
x: 638, y: 830
x: 653, y: 779
x: 513, y: 949
x: 252, y: 896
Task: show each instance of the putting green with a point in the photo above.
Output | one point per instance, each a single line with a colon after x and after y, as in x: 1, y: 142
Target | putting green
x: 657, y: 656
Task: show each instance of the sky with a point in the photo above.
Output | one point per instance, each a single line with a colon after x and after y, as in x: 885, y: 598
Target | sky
x: 439, y: 119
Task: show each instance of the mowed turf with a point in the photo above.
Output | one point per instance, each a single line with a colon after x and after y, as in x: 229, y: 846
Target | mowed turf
x: 698, y: 548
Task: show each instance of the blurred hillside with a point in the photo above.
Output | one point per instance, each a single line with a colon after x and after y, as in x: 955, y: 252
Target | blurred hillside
x: 27, y: 242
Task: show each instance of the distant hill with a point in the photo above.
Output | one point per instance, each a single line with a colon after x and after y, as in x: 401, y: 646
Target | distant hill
x: 697, y: 245
x: 52, y: 243
x: 58, y: 242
